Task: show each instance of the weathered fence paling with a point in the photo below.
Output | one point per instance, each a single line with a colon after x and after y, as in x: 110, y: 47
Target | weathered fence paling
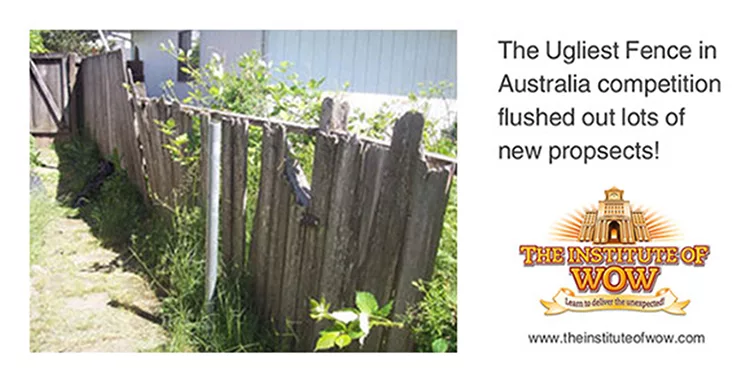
x: 108, y: 113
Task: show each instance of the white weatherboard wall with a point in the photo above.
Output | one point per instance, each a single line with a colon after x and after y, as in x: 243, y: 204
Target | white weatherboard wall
x: 380, y: 62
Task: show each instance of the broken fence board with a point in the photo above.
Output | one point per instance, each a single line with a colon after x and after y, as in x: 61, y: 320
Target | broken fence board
x: 314, y: 251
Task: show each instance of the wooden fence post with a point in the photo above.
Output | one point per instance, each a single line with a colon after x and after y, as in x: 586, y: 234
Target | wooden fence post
x: 386, y: 241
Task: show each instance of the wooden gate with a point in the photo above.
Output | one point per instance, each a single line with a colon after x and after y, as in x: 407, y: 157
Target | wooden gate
x: 52, y: 101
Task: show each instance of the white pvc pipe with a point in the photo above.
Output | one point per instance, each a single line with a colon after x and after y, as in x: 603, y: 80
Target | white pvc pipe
x: 104, y: 40
x: 212, y: 210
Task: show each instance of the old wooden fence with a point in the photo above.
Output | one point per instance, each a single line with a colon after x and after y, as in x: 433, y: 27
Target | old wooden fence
x: 370, y: 220
x: 373, y: 223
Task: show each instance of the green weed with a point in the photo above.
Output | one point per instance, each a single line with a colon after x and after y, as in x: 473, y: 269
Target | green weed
x: 115, y: 211
x: 78, y: 163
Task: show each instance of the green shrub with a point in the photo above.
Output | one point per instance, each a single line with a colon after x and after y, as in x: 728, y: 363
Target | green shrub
x: 36, y: 43
x: 78, y: 164
x: 116, y: 210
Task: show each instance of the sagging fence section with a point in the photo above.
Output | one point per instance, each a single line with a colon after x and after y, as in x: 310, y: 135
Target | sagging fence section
x: 370, y: 220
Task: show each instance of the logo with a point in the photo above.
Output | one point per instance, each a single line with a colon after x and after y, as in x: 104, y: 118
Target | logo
x: 612, y: 257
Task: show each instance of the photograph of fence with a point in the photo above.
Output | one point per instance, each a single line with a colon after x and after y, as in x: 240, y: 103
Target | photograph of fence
x: 369, y: 218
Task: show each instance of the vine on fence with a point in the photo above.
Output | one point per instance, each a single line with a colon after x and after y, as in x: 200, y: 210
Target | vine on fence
x: 350, y: 323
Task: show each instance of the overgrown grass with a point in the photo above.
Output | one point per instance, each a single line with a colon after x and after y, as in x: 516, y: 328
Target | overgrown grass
x: 78, y: 163
x: 167, y: 243
x: 117, y: 210
x: 171, y: 249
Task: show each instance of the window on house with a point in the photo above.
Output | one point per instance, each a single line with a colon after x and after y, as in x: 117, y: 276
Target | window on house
x: 188, y: 42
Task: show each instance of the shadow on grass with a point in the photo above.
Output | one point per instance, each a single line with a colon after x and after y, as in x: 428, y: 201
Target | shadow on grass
x: 106, y: 200
x: 166, y: 248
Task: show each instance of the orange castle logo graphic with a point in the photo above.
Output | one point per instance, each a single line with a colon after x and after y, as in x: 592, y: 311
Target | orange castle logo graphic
x: 616, y: 260
x: 614, y: 221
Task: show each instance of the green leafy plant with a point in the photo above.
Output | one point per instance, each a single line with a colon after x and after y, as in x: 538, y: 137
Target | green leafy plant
x: 83, y: 42
x: 36, y: 43
x: 350, y: 324
x: 251, y: 86
x: 440, y: 133
x: 185, y: 147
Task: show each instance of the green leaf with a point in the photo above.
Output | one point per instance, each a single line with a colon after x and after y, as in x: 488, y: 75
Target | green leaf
x: 337, y: 327
x: 181, y: 139
x: 439, y: 346
x: 385, y: 310
x: 326, y: 340
x: 343, y: 340
x: 356, y: 334
x: 366, y: 302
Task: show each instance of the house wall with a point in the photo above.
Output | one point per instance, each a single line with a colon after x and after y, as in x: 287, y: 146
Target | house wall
x: 229, y: 44
x: 158, y: 66
x: 379, y: 62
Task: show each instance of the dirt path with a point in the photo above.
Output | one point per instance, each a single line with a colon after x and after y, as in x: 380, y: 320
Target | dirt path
x: 81, y: 298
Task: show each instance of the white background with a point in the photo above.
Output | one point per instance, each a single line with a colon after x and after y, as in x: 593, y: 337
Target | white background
x: 699, y: 182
